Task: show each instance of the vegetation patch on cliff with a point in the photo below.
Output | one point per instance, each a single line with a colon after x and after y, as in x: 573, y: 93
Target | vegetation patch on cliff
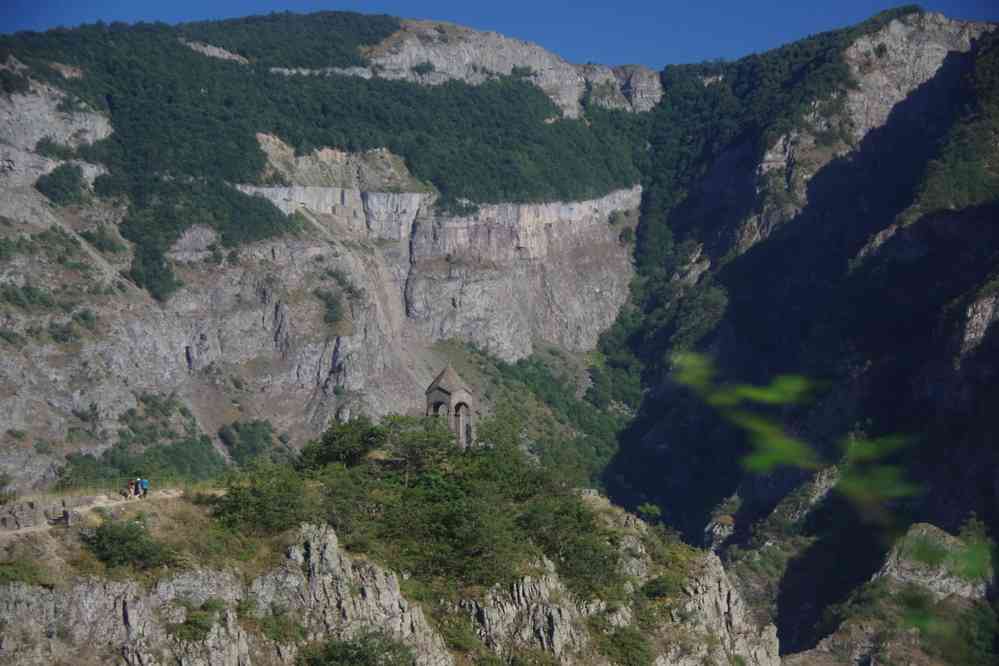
x: 158, y: 438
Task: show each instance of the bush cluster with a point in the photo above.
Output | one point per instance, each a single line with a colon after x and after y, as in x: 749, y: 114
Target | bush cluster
x: 248, y: 441
x: 404, y: 493
x: 128, y: 543
x: 63, y: 186
x: 370, y: 649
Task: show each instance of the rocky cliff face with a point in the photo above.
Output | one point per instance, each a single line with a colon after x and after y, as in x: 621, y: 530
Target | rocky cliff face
x: 433, y: 52
x: 326, y: 593
x: 912, y: 60
x: 320, y: 588
x: 408, y: 274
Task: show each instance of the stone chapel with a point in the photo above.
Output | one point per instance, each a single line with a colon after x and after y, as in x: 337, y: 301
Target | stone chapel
x: 449, y: 396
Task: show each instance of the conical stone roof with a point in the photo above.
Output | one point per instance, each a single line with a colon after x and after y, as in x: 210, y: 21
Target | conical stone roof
x: 449, y: 381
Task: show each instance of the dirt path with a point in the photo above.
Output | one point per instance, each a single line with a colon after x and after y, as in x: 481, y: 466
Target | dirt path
x: 99, y: 502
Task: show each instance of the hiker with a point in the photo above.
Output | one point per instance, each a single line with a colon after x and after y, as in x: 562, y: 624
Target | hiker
x: 129, y: 492
x: 144, y: 486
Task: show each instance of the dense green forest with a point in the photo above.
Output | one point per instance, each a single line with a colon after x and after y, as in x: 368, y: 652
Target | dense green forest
x: 185, y: 127
x: 284, y: 39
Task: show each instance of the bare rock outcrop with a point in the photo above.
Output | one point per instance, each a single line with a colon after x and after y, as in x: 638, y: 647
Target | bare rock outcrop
x: 535, y: 612
x: 513, y: 273
x: 927, y: 560
x: 907, y: 563
x: 979, y: 317
x: 376, y: 170
x: 718, y: 627
x: 27, y: 118
x: 326, y: 592
x: 501, y: 277
x: 707, y: 622
x: 214, y: 51
x: 434, y: 52
x: 889, y: 64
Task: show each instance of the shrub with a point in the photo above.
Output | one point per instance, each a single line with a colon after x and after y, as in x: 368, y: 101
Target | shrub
x: 24, y: 571
x: 7, y: 494
x: 345, y: 443
x: 569, y: 532
x: 119, y: 544
x: 624, y: 646
x: 926, y: 550
x: 11, y: 82
x: 665, y: 586
x: 281, y: 627
x: 151, y: 270
x: 148, y: 445
x: 266, y: 498
x: 102, y: 239
x: 86, y: 318
x: 63, y: 186
x: 423, y: 68
x: 63, y: 332
x: 26, y: 297
x: 50, y: 148
x: 334, y: 306
x: 198, y: 620
x: 352, y: 291
x: 248, y: 441
x: 370, y: 649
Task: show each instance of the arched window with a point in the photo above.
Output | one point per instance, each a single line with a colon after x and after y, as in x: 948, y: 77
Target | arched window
x: 462, y: 424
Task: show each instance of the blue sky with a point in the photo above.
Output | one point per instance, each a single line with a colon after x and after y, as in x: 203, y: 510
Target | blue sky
x: 647, y: 32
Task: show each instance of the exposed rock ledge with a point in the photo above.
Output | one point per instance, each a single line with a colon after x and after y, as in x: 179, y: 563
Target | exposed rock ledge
x: 331, y: 594
x: 502, y: 277
x: 463, y: 54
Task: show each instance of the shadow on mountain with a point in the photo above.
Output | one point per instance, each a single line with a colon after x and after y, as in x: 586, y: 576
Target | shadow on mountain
x: 788, y: 298
x: 782, y: 290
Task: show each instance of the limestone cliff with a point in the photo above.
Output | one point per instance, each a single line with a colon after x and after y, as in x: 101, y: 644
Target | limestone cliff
x: 245, y: 337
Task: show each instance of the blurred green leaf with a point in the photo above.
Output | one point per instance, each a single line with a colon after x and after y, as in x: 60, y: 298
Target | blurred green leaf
x: 773, y: 447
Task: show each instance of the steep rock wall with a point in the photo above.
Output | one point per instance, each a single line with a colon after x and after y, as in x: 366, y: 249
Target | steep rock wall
x: 510, y: 274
